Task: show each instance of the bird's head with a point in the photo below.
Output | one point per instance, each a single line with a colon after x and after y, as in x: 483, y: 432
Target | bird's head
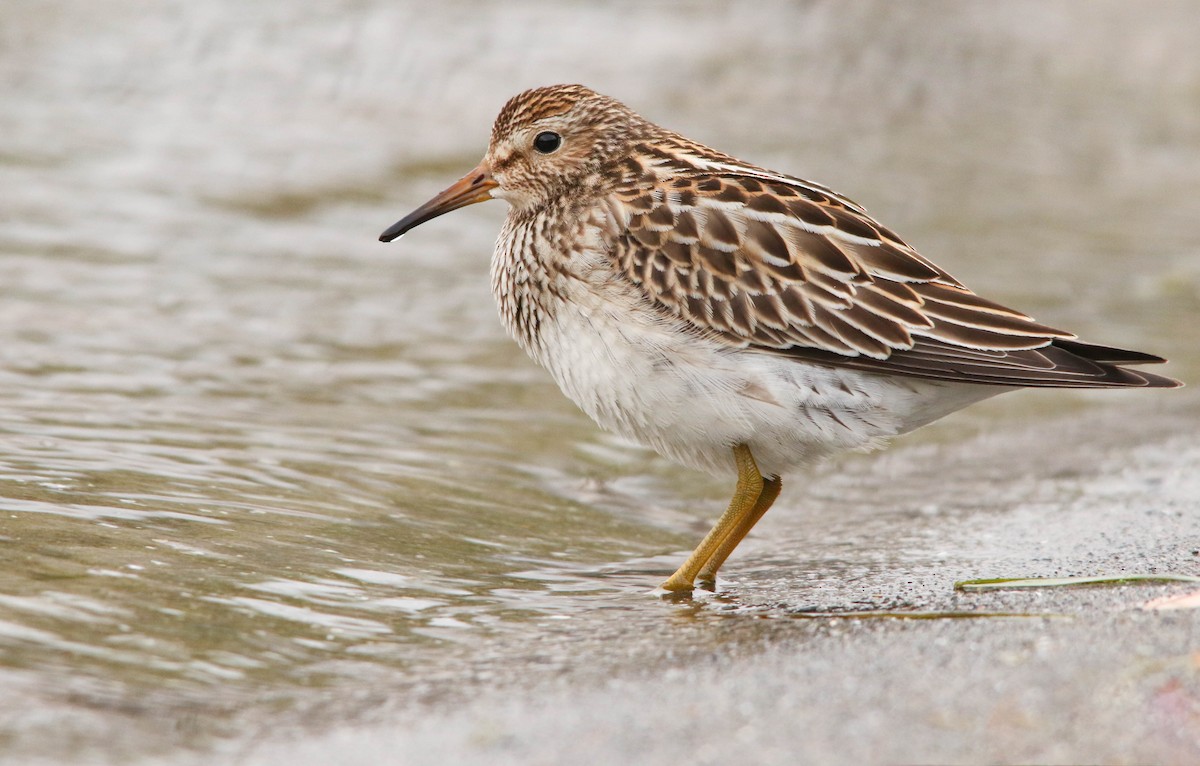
x: 545, y: 142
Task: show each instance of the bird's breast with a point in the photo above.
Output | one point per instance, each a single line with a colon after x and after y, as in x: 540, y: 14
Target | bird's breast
x: 544, y: 265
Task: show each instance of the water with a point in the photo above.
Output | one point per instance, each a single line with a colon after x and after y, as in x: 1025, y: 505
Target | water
x: 256, y: 466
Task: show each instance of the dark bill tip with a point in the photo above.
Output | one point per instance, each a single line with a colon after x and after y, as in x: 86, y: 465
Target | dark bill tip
x: 399, y: 227
x: 475, y: 186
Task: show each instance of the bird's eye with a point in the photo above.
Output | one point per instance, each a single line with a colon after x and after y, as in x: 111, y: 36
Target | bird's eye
x: 547, y: 142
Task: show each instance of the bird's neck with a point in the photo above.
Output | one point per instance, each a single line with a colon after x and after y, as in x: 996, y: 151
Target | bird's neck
x: 542, y: 262
x: 528, y: 274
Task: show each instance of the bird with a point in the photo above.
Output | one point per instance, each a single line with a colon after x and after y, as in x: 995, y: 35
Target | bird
x: 736, y: 320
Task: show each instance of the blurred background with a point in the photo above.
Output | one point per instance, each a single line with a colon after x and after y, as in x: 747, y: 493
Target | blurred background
x: 256, y: 466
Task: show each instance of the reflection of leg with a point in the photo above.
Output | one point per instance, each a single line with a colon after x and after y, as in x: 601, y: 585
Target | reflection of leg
x: 742, y: 506
x: 771, y: 487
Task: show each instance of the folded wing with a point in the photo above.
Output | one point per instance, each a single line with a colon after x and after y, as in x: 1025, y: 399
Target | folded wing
x: 770, y: 262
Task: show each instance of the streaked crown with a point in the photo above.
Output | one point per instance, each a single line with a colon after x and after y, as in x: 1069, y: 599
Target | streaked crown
x: 547, y: 140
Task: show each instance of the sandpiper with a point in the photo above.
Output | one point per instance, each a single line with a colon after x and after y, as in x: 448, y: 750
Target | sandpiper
x: 733, y: 318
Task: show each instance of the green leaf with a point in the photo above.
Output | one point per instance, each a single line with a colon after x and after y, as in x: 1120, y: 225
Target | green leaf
x: 1005, y: 583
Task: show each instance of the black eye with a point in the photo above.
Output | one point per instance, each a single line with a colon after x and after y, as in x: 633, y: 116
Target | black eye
x: 547, y: 142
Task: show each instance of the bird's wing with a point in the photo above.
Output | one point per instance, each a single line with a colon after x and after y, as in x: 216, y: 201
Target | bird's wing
x: 775, y: 263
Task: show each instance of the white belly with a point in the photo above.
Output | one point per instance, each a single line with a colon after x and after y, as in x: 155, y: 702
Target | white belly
x: 692, y: 399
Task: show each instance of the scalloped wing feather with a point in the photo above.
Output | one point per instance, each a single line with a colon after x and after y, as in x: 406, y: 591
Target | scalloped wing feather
x: 775, y: 263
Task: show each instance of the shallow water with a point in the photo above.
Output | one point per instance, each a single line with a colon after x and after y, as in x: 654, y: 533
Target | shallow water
x: 255, y: 463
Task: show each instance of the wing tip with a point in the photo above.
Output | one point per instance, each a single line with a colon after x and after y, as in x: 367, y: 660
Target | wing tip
x: 1114, y: 362
x: 1054, y: 364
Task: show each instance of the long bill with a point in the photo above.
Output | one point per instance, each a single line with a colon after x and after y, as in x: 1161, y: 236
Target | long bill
x: 475, y: 186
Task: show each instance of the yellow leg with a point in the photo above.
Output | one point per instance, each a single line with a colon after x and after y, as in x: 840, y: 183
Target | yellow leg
x: 770, y: 491
x: 742, y: 506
